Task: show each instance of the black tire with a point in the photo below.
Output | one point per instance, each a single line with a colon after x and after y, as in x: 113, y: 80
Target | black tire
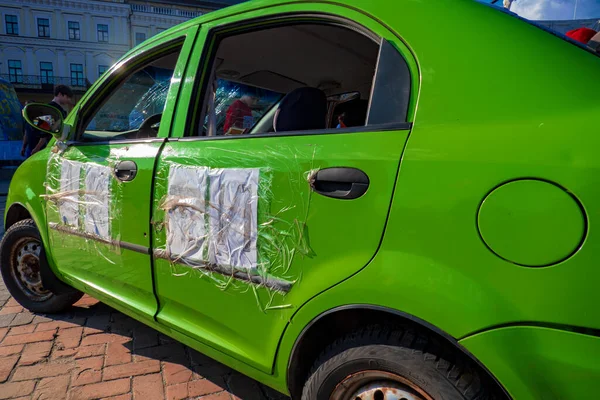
x: 24, y: 235
x: 421, y: 363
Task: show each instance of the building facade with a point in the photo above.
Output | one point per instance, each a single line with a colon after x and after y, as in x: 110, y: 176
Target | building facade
x: 48, y: 42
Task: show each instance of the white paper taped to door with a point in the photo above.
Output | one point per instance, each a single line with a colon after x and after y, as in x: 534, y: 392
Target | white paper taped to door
x: 186, y: 213
x: 70, y: 176
x: 96, y: 200
x: 212, y: 216
x: 233, y: 217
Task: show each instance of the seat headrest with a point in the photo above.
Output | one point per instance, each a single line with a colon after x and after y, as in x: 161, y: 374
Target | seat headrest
x: 302, y: 109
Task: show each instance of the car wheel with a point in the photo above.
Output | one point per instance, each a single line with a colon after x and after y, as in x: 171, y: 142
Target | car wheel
x: 21, y: 256
x: 378, y: 363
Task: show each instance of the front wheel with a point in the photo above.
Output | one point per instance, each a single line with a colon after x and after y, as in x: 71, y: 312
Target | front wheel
x: 21, y: 257
x: 378, y: 363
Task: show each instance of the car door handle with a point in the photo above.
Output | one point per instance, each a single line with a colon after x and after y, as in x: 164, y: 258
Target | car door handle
x: 340, y: 183
x: 126, y: 170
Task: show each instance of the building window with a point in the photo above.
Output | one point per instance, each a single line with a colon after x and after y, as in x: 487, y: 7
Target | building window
x: 43, y: 27
x: 102, y: 69
x: 102, y: 33
x: 15, y: 71
x: 74, y: 32
x: 46, y: 72
x: 77, y: 75
x: 12, y: 24
x: 139, y: 37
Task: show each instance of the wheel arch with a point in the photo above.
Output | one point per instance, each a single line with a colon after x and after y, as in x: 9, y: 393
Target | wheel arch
x: 338, y: 321
x: 17, y: 212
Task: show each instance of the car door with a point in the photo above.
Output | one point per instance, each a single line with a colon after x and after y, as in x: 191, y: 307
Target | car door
x: 250, y: 226
x: 99, y: 188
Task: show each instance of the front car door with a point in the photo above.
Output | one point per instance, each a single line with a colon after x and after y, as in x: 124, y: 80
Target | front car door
x: 251, y: 222
x: 99, y: 189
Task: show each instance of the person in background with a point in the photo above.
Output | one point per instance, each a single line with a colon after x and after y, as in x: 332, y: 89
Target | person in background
x: 239, y: 114
x: 63, y: 101
x: 29, y: 136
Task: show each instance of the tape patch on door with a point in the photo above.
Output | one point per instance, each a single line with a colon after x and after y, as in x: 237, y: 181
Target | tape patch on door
x: 82, y: 194
x: 211, y: 216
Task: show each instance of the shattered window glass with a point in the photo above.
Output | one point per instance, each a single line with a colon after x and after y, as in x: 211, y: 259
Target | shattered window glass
x: 239, y: 107
x: 135, y: 108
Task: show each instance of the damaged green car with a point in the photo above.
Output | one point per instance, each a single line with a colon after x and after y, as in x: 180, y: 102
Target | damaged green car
x: 334, y: 200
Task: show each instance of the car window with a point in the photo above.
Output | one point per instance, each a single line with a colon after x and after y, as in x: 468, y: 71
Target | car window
x: 260, y: 84
x: 133, y: 110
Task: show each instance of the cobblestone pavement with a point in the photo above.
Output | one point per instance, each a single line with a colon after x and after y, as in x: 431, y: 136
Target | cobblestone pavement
x: 95, y: 352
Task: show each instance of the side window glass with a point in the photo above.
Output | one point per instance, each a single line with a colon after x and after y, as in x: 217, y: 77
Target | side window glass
x: 259, y: 83
x: 134, y: 108
x: 391, y: 89
x: 238, y: 107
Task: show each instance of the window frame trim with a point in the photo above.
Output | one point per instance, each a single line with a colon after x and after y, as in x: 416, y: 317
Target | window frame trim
x: 82, y: 72
x: 98, y: 32
x: 16, y: 75
x: 198, y: 99
x: 12, y: 24
x: 75, y: 30
x: 47, y: 77
x: 43, y: 26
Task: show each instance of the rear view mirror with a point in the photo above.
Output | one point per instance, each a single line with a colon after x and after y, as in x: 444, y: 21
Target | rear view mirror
x: 45, y: 118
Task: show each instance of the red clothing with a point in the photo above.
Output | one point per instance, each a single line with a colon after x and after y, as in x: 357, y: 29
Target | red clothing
x: 235, y: 115
x: 582, y: 35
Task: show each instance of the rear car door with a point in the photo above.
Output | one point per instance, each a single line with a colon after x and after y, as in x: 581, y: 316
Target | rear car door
x: 99, y: 188
x: 252, y: 222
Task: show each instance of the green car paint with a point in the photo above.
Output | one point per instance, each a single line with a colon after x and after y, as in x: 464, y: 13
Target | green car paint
x: 494, y: 101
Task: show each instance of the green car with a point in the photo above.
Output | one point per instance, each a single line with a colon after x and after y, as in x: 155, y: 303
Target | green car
x: 357, y: 200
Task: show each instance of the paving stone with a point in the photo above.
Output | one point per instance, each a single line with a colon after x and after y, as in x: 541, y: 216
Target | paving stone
x: 13, y: 389
x: 22, y: 319
x: 148, y: 387
x: 35, y: 352
x: 6, y: 319
x: 52, y: 388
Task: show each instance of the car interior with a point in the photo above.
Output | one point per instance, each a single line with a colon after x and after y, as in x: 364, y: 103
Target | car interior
x: 305, y: 63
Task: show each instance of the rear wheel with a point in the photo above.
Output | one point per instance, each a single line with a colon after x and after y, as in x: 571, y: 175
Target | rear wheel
x: 378, y: 363
x: 22, y: 256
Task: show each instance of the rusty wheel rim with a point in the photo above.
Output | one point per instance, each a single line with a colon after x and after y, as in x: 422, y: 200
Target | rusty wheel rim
x: 26, y: 269
x: 378, y: 385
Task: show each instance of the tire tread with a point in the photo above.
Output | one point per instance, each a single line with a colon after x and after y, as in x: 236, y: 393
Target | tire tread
x: 451, y: 365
